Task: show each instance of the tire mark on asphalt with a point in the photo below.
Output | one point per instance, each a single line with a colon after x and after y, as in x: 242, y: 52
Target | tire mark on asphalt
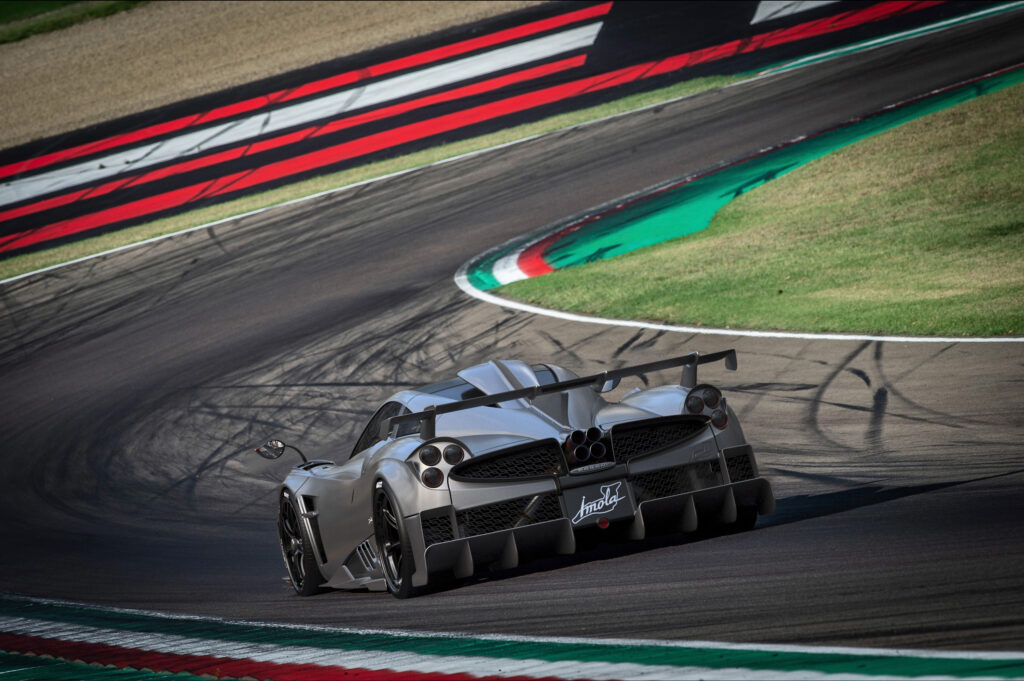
x: 946, y: 417
x: 753, y: 404
x: 879, y: 404
x: 811, y: 418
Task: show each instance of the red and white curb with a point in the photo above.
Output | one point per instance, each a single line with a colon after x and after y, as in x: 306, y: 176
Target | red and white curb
x: 246, y: 649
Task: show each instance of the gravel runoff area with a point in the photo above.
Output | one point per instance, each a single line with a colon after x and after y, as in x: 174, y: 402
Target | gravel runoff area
x: 163, y: 52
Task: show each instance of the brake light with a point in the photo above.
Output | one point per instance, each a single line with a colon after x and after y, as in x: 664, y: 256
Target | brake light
x: 453, y: 454
x: 719, y: 419
x: 433, y: 477
x: 430, y: 455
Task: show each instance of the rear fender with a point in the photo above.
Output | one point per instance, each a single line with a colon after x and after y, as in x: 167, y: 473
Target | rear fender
x: 412, y: 497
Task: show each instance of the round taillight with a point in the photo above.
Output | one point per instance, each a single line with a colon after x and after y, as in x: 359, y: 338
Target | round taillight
x: 711, y: 397
x: 453, y: 454
x: 433, y: 477
x: 430, y: 456
x: 719, y: 419
x: 694, y: 404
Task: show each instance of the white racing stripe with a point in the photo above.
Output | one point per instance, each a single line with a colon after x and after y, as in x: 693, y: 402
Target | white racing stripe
x: 319, y: 109
x: 395, y: 660
x: 768, y: 10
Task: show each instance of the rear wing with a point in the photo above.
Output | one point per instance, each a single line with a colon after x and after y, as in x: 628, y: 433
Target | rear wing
x: 689, y: 363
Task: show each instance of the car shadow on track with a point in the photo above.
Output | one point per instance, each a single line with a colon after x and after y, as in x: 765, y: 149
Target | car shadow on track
x: 807, y: 506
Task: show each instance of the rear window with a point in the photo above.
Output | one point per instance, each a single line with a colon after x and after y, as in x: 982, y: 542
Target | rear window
x: 453, y: 389
x: 458, y: 389
x: 545, y: 376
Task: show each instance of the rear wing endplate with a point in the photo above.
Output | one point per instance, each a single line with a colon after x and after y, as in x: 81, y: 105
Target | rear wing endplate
x: 689, y: 363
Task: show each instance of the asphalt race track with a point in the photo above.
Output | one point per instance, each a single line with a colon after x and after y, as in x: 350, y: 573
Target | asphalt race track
x: 135, y: 385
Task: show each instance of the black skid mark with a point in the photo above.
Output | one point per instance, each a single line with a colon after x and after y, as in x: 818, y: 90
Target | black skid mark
x: 873, y: 436
x: 811, y: 419
x: 862, y: 375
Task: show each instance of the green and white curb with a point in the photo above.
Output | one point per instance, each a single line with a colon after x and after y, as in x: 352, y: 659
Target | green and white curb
x: 177, y: 644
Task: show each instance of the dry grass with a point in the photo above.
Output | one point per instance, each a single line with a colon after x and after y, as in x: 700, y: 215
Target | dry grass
x: 92, y: 72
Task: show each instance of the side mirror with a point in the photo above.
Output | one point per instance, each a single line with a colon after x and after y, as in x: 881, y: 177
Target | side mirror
x: 607, y: 386
x: 271, y: 449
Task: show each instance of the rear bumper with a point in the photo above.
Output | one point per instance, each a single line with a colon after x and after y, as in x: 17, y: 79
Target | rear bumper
x: 442, y: 542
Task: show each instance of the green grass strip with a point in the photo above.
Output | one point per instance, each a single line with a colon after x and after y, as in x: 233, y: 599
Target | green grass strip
x: 916, y: 231
x: 30, y: 668
x: 19, y: 20
x: 709, y: 657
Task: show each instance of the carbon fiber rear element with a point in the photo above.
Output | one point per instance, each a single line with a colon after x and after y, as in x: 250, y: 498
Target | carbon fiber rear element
x: 739, y: 461
x: 630, y: 440
x: 669, y: 481
x: 505, y: 515
x: 436, y: 528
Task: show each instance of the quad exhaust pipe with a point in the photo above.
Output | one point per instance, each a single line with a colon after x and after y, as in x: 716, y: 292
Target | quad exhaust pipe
x: 584, y: 445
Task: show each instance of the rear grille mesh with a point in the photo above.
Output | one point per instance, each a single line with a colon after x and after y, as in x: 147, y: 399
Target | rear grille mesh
x: 740, y: 466
x: 533, y: 460
x: 436, y: 529
x: 630, y: 440
x: 505, y: 515
x: 669, y: 481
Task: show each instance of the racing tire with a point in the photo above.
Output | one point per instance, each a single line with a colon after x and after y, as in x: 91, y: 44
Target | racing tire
x: 297, y: 548
x: 393, y: 546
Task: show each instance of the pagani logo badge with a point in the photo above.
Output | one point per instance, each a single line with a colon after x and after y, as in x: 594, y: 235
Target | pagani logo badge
x: 607, y: 502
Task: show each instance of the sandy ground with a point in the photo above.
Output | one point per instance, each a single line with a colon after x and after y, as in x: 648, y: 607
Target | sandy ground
x: 163, y: 52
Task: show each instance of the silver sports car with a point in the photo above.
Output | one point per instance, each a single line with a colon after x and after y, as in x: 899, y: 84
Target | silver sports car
x: 508, y: 461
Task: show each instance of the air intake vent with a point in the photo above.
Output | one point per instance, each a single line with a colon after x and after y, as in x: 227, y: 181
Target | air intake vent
x: 640, y: 438
x: 363, y: 560
x: 437, y: 528
x: 538, y: 459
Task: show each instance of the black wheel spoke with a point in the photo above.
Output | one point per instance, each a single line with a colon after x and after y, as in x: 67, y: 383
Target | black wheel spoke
x: 389, y: 517
x: 388, y: 531
x: 294, y: 549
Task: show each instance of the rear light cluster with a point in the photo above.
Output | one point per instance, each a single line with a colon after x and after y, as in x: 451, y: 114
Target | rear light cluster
x: 582, y: 446
x: 430, y: 457
x: 707, y: 400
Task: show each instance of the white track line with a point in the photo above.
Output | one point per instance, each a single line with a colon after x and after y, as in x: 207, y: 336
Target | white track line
x: 462, y: 281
